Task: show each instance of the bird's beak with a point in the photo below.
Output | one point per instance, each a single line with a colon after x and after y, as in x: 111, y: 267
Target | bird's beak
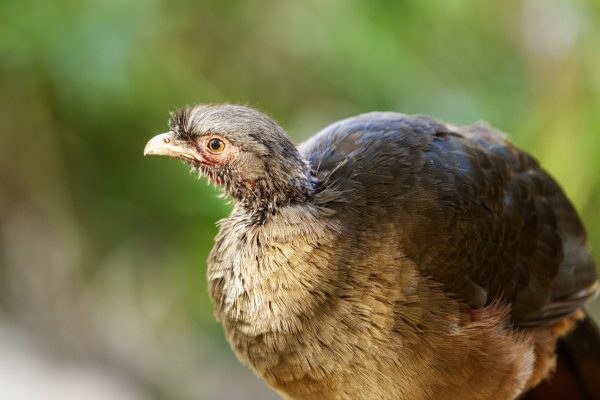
x: 166, y: 144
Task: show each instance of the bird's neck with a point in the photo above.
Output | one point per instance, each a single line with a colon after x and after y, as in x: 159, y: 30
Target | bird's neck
x: 265, y: 197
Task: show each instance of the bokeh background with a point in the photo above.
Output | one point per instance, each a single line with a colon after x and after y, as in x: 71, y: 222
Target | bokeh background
x: 102, y: 252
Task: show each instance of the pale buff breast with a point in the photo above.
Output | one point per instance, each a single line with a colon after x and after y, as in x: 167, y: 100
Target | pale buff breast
x: 299, y: 320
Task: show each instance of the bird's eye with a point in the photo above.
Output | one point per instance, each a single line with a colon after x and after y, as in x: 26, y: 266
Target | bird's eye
x: 216, y: 145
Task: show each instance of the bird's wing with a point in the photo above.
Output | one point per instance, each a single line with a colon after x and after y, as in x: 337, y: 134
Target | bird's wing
x: 474, y: 212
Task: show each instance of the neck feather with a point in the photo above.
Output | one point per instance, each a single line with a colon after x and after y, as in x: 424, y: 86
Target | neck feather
x: 282, y: 188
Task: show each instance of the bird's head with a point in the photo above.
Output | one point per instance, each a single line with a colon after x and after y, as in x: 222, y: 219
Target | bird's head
x: 241, y: 149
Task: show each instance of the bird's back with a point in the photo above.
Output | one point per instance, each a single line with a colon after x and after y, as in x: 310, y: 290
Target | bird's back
x: 474, y: 212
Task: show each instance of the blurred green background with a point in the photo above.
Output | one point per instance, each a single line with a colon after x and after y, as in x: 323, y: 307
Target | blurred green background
x: 102, y: 275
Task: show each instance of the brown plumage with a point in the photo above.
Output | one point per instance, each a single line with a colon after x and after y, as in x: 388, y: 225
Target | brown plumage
x: 390, y: 256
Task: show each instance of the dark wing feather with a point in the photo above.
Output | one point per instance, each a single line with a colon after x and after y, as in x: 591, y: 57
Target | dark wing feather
x: 474, y: 212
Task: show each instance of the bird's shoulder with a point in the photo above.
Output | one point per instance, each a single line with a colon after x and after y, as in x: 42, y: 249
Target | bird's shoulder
x: 476, y: 213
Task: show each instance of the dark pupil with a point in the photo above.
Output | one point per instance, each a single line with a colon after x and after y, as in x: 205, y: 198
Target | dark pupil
x: 215, y: 144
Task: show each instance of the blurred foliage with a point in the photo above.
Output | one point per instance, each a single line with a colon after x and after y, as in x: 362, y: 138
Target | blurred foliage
x: 103, y: 251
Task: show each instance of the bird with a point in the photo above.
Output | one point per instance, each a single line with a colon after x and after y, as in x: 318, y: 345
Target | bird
x: 389, y: 256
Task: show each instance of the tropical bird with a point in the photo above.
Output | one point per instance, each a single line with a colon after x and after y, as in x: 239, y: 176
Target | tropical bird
x: 388, y: 257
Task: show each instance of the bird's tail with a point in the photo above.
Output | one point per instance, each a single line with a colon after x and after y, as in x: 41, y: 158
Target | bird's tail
x: 577, y: 375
